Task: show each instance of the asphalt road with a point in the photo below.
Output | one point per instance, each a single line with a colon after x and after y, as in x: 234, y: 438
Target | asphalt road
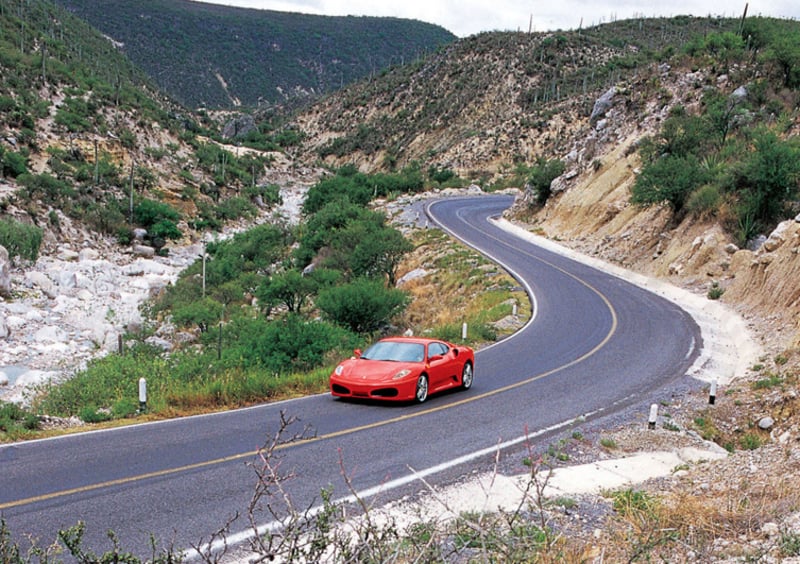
x: 596, y: 344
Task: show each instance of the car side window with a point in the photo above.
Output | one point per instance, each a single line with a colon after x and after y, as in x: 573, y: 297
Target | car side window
x: 436, y: 348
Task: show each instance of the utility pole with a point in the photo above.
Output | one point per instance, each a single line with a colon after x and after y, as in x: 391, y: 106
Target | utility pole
x: 744, y: 15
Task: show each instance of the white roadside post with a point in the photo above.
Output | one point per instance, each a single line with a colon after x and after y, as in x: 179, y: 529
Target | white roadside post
x: 464, y: 331
x: 142, y: 395
x: 651, y: 421
x: 712, y: 397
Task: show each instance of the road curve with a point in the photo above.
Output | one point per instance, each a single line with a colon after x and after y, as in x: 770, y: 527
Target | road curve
x: 596, y: 343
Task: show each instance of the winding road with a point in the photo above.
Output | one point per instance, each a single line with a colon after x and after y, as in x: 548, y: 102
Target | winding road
x: 594, y: 345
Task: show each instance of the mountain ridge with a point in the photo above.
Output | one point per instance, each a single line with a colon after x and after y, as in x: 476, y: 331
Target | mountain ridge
x: 222, y: 57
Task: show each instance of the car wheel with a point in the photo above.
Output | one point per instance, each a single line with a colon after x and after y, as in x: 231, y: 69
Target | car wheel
x: 422, y: 389
x: 467, y: 376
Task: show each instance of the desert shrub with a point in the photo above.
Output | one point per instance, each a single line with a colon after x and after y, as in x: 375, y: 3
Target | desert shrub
x: 234, y: 208
x: 670, y: 179
x: 705, y: 200
x: 289, y: 344
x: 542, y: 175
x: 20, y: 240
x: 202, y: 313
x: 49, y: 189
x: 14, y: 420
x: 362, y: 306
x: 13, y: 164
x: 149, y: 212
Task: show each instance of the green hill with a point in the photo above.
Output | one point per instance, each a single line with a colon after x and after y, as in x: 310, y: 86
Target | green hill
x: 221, y: 57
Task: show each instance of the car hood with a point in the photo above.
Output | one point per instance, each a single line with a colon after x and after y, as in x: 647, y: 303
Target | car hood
x: 375, y: 370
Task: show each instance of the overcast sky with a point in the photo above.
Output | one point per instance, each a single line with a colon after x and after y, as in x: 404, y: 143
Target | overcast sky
x: 467, y: 17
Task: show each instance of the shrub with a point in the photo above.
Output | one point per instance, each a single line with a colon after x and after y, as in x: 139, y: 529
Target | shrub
x: 90, y: 414
x: 14, y: 419
x: 715, y: 291
x: 670, y: 179
x: 149, y: 212
x: 362, y: 306
x: 46, y: 187
x: 704, y: 201
x: 20, y: 240
x: 203, y: 313
x: 286, y: 345
x: 542, y: 176
x: 13, y: 164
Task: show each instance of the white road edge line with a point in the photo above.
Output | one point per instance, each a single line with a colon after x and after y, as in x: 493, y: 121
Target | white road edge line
x: 238, y: 538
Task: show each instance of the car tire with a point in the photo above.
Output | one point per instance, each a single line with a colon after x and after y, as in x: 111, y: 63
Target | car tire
x: 421, y: 393
x: 467, y: 376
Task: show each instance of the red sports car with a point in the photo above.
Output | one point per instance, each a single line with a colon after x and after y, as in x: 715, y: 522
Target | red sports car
x: 404, y: 368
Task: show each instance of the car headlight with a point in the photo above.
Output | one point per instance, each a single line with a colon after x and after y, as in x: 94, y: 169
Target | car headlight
x: 401, y: 374
x: 339, y: 370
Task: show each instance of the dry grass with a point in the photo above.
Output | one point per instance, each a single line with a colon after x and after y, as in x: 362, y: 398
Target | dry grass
x: 460, y: 286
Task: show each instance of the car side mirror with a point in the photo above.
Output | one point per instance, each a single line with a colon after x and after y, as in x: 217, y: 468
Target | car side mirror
x: 357, y: 353
x: 435, y: 357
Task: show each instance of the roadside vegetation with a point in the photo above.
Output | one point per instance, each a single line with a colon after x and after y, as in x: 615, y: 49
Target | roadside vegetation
x: 734, y: 159
x: 271, y: 310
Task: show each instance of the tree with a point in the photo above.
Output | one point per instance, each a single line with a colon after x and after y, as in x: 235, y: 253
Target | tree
x: 203, y: 313
x: 670, y: 179
x: 289, y: 288
x: 720, y: 112
x: 380, y: 254
x: 327, y: 224
x: 769, y: 176
x: 362, y: 306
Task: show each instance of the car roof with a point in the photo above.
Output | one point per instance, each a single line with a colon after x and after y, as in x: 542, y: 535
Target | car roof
x: 414, y: 340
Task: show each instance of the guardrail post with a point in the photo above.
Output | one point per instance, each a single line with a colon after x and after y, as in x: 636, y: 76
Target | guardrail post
x: 651, y: 421
x: 142, y: 395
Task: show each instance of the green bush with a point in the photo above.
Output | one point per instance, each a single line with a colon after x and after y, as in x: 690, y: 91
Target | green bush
x: 705, y: 200
x: 204, y: 313
x: 362, y: 306
x: 13, y: 164
x: 90, y: 414
x: 542, y: 175
x: 20, y: 240
x: 14, y: 420
x: 380, y: 254
x: 149, y: 212
x: 670, y: 179
x: 49, y: 189
x: 289, y: 344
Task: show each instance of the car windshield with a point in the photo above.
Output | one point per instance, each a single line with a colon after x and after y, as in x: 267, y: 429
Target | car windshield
x: 394, y: 351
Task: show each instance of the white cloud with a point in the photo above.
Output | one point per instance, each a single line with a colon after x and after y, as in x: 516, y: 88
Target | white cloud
x: 467, y: 17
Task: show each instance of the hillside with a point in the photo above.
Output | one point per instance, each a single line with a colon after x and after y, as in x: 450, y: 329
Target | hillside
x: 491, y: 106
x: 492, y: 101
x: 225, y: 57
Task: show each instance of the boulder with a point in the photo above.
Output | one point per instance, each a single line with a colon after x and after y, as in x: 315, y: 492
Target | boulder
x: 4, y: 329
x: 67, y: 255
x: 88, y: 254
x: 777, y: 237
x: 766, y: 423
x: 5, y: 273
x: 239, y: 127
x: 756, y: 243
x: 602, y: 105
x: 144, y: 251
x: 43, y: 282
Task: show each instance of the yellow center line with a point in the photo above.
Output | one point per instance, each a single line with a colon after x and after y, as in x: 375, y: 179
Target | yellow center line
x: 350, y: 430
